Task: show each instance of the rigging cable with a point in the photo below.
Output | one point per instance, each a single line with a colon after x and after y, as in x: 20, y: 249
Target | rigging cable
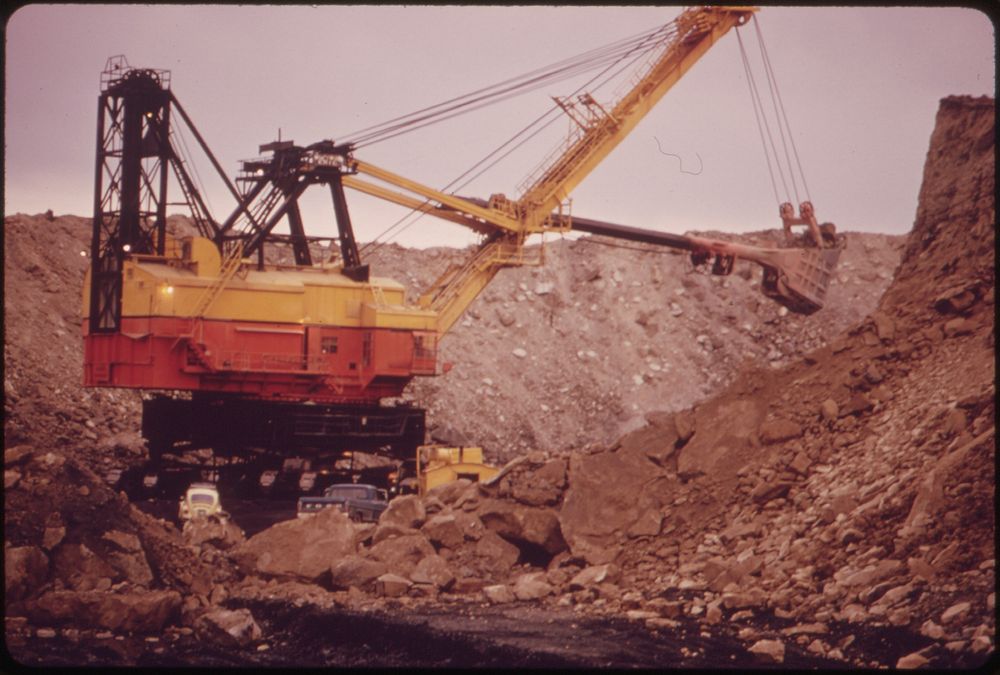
x: 762, y: 125
x: 500, y: 91
x: 772, y: 90
x: 629, y: 42
x: 199, y: 184
x: 637, y: 49
x: 781, y: 105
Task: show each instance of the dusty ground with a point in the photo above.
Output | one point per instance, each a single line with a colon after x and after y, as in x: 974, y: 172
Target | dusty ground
x: 821, y: 503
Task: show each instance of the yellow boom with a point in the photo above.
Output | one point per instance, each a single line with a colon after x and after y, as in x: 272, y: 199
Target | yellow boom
x: 506, y: 223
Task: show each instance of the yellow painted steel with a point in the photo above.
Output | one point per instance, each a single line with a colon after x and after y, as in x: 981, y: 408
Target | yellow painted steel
x: 191, y: 279
x: 418, y: 205
x: 508, y: 222
x: 698, y: 28
x: 456, y: 290
x: 437, y: 465
x: 497, y: 219
x: 321, y: 295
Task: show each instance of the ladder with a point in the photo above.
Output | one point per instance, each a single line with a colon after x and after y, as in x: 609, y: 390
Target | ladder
x: 230, y: 264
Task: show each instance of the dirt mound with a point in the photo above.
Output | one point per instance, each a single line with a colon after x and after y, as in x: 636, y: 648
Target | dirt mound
x: 853, y: 487
x: 827, y: 491
x: 76, y: 552
x: 45, y: 404
x: 812, y: 507
x: 571, y: 354
x: 553, y: 358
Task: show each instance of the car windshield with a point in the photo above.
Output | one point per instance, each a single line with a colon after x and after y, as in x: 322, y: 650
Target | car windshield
x: 202, y: 498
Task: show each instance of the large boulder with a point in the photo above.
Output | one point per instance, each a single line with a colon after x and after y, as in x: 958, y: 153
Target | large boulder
x: 401, y: 554
x: 81, y: 569
x: 720, y: 450
x: 302, y: 548
x: 392, y: 585
x: 444, y: 530
x: 542, y: 485
x: 406, y: 511
x: 541, y: 527
x: 498, y: 594
x: 608, y: 492
x: 433, y: 570
x: 222, y: 533
x: 448, y: 493
x: 127, y: 556
x: 494, y: 554
x: 594, y: 575
x: 532, y: 586
x: 25, y: 569
x: 469, y: 523
x: 385, y: 531
x: 501, y: 516
x: 520, y: 524
x: 144, y: 612
x: 235, y: 628
x: 355, y: 570
x: 659, y: 439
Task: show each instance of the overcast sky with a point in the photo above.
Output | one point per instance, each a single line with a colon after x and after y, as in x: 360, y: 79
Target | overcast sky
x: 860, y: 87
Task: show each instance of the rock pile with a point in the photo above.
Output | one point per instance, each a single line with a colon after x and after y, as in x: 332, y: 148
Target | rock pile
x: 852, y: 489
x: 79, y: 556
x: 847, y: 491
x: 596, y: 336
x: 601, y: 334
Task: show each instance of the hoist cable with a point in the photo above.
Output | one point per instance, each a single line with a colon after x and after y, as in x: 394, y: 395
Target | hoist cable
x: 754, y: 96
x: 565, y: 63
x: 781, y: 105
x: 399, y: 223
x: 503, y: 90
x: 538, y: 77
x: 454, y: 111
x: 636, y: 48
x: 763, y: 119
x: 199, y: 183
x: 554, y: 109
x: 772, y: 90
x: 581, y: 88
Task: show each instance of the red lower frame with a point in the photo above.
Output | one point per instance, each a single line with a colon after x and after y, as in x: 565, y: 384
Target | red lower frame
x: 267, y: 360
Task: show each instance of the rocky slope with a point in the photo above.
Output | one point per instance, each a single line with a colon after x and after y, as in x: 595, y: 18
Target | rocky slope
x: 806, y: 508
x: 847, y: 492
x: 573, y: 353
x: 556, y: 357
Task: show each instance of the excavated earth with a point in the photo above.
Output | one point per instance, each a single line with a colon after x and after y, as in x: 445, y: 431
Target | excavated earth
x: 692, y: 478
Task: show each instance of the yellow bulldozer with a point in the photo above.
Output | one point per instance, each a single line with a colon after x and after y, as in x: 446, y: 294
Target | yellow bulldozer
x: 439, y: 464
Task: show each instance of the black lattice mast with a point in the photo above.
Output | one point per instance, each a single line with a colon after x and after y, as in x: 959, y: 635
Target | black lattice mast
x: 133, y: 114
x: 135, y: 154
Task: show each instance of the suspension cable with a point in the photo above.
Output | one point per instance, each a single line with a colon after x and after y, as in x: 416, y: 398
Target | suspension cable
x: 551, y: 110
x: 505, y: 89
x: 781, y: 106
x: 761, y: 123
x: 772, y: 89
x: 636, y: 48
x: 188, y: 159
